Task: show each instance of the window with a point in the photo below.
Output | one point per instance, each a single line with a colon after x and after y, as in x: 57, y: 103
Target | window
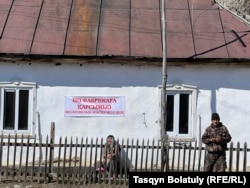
x: 17, y: 111
x: 180, y: 110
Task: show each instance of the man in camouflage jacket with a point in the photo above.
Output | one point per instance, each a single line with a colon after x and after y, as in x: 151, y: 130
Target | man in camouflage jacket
x: 216, y: 137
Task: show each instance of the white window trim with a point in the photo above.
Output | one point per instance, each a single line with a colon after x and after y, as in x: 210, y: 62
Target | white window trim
x: 14, y: 84
x: 178, y: 87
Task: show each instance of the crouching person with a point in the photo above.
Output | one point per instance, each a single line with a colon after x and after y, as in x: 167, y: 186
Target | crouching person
x: 111, y: 158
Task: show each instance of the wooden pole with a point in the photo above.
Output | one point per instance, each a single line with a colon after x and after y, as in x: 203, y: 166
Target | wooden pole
x: 164, y: 137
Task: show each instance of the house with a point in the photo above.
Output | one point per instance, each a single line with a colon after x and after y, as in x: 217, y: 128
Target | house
x: 94, y: 68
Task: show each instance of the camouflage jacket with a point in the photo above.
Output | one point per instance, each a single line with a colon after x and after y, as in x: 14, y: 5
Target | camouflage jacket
x: 216, y: 138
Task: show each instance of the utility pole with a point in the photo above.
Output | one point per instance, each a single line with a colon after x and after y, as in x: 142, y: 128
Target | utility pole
x: 164, y: 137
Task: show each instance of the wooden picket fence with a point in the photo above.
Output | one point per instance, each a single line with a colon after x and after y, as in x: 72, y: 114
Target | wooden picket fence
x: 74, y: 161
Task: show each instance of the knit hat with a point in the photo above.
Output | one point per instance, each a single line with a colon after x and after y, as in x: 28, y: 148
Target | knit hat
x: 111, y: 136
x: 215, y: 116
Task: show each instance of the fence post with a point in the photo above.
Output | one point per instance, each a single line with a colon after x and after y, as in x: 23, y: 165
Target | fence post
x: 51, y: 152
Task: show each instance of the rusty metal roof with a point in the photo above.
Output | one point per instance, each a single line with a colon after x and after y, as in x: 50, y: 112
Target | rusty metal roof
x: 195, y: 29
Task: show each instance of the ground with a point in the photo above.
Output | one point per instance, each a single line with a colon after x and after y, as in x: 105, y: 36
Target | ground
x: 55, y: 185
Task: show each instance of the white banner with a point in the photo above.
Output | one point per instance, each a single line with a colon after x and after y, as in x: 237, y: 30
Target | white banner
x: 94, y: 106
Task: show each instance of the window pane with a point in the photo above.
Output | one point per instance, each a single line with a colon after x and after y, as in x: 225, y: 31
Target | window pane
x: 23, y: 110
x: 183, y: 113
x: 9, y: 110
x: 170, y: 113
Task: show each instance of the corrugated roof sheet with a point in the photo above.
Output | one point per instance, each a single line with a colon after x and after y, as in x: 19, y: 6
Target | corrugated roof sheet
x: 195, y: 29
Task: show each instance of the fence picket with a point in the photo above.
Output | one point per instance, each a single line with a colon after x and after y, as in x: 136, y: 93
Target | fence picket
x: 59, y: 159
x: 194, y: 158
x: 245, y: 157
x: 20, y: 161
x: 189, y: 155
x: 33, y: 159
x: 230, y: 157
x: 40, y: 162
x: 237, y: 156
x: 8, y: 153
x: 64, y: 159
x: 75, y: 162
x: 14, y: 157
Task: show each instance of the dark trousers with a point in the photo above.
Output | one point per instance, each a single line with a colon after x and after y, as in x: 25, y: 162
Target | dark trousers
x: 215, y: 162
